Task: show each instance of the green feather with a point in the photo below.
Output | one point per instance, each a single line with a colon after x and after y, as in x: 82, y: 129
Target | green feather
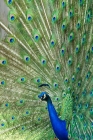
x: 46, y: 45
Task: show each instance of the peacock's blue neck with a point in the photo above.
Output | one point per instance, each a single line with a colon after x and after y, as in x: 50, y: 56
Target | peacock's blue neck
x: 59, y: 126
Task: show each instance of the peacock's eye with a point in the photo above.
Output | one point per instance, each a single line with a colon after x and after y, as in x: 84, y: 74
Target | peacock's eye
x: 29, y: 18
x: 11, y: 40
x: 38, y: 80
x: 2, y: 124
x: 36, y: 37
x: 23, y: 127
x: 13, y: 118
x: 22, y: 79
x: 63, y: 26
x: 64, y: 95
x: 27, y: 58
x: 38, y: 119
x: 9, y: 1
x: 6, y: 104
x: 63, y: 3
x: 4, y: 62
x: 54, y: 18
x: 52, y: 42
x: 2, y: 82
x: 12, y: 18
x: 21, y: 101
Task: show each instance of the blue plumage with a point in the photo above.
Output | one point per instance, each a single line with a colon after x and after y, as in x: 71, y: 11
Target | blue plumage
x: 59, y: 126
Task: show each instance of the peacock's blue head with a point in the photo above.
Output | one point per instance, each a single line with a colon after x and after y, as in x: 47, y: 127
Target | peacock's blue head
x: 43, y: 96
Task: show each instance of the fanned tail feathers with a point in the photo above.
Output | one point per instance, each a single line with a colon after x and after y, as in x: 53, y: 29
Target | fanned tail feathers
x: 46, y: 42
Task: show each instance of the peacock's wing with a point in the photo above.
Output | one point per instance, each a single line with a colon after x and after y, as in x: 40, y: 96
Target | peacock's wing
x: 47, y: 42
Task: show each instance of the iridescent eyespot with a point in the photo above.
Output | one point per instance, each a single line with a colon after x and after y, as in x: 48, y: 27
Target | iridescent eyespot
x: 81, y: 2
x: 12, y: 18
x: 63, y: 26
x: 29, y: 18
x: 71, y: 36
x: 39, y: 119
x: 78, y: 68
x: 84, y: 92
x: 66, y: 80
x: 10, y: 1
x: 4, y: 62
x: 91, y: 93
x: 2, y: 82
x: 2, y: 124
x: 11, y: 40
x: 77, y: 49
x: 78, y: 24
x: 70, y: 61
x: 13, y: 118
x: 69, y: 89
x: 87, y: 57
x: 63, y: 94
x: 57, y: 68
x: 23, y: 128
x: 52, y: 43
x: 86, y: 105
x: 36, y: 37
x: 91, y: 49
x: 91, y: 111
x: 27, y: 112
x: 22, y: 79
x: 79, y: 105
x: 27, y: 58
x: 54, y: 18
x: 73, y: 79
x: 79, y: 83
x: 71, y: 13
x: 12, y: 15
x: 62, y: 51
x: 21, y: 101
x: 81, y: 116
x: 63, y: 4
x: 38, y: 80
x: 7, y: 105
x: 55, y: 85
x: 43, y: 61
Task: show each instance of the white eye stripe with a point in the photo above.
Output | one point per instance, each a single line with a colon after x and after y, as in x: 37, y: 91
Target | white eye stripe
x: 44, y: 96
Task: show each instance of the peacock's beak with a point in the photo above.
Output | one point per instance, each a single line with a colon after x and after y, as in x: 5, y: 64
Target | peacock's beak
x: 40, y: 96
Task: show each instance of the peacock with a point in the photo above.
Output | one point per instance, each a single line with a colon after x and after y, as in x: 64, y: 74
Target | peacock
x: 46, y: 69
